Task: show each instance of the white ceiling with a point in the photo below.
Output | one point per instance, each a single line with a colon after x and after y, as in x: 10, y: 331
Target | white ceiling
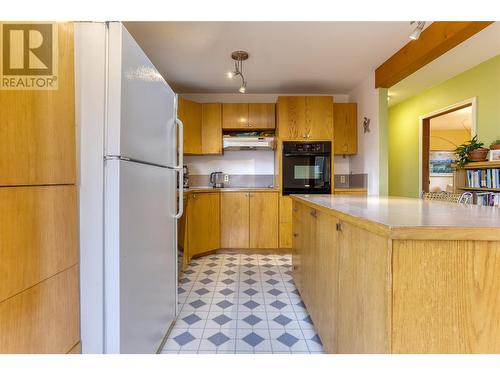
x: 460, y: 119
x: 480, y: 47
x: 285, y: 57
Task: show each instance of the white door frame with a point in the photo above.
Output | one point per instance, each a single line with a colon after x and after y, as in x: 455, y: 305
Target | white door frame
x: 472, y: 101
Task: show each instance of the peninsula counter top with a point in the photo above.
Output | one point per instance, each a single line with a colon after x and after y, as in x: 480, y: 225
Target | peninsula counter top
x: 403, y: 218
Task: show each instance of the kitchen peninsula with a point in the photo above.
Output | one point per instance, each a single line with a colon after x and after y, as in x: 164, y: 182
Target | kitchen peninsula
x: 398, y: 275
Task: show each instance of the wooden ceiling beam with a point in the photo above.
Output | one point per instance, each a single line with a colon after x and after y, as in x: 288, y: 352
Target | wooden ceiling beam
x: 434, y: 41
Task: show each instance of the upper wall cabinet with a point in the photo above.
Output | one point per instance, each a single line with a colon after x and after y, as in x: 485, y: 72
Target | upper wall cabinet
x: 190, y: 114
x: 37, y: 127
x: 202, y: 127
x: 237, y: 116
x: 305, y: 117
x: 262, y: 115
x: 211, y: 130
x: 345, y: 140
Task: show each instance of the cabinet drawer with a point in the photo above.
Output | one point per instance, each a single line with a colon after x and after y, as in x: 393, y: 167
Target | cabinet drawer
x: 38, y: 235
x: 43, y: 319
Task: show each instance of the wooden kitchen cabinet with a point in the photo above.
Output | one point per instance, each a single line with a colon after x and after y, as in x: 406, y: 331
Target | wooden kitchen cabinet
x: 37, y: 128
x: 249, y: 220
x: 262, y: 115
x: 245, y: 116
x: 285, y: 222
x: 305, y: 117
x: 235, y: 220
x: 291, y: 117
x: 319, y: 117
x: 345, y: 140
x: 190, y: 114
x: 264, y: 219
x: 202, y: 127
x: 203, y: 225
x: 211, y: 128
x: 234, y: 115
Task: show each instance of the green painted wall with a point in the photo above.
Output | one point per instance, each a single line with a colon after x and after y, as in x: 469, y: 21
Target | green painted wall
x: 383, y: 143
x: 482, y: 81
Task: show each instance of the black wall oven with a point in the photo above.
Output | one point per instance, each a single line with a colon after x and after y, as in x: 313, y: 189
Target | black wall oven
x: 306, y: 167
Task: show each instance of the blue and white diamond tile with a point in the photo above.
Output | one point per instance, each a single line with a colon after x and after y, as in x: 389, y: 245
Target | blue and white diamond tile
x: 240, y: 303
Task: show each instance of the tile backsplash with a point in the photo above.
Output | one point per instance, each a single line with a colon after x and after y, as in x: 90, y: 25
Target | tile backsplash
x: 358, y: 180
x: 235, y: 180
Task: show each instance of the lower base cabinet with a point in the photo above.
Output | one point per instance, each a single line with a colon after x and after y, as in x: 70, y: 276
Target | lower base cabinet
x: 249, y: 220
x: 203, y: 223
x: 369, y: 293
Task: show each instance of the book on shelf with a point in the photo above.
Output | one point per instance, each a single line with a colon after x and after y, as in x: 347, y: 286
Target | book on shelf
x: 487, y: 199
x: 484, y: 178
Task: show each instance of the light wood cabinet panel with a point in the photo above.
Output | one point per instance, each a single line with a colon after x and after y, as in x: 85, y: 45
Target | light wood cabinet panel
x: 77, y: 349
x: 37, y: 132
x: 203, y: 223
x: 38, y: 235
x: 319, y: 117
x: 264, y: 220
x: 285, y: 235
x: 364, y: 300
x: 235, y: 217
x: 446, y: 297
x: 211, y: 128
x: 235, y: 115
x: 345, y: 118
x: 325, y: 271
x: 298, y: 244
x: 44, y: 318
x: 190, y: 114
x: 262, y: 115
x: 285, y: 222
x: 291, y: 117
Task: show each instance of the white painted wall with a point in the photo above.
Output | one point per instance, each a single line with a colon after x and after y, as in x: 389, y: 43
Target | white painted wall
x: 367, y: 158
x: 232, y: 162
x: 342, y: 164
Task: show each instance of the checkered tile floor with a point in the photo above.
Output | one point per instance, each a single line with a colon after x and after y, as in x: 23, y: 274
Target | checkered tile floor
x: 239, y: 303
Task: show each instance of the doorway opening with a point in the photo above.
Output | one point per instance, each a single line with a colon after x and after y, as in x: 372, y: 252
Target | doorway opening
x: 441, y: 133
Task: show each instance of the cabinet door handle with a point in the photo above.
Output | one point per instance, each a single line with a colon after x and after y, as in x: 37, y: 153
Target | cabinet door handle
x: 194, y: 196
x: 295, y: 235
x: 295, y: 209
x: 338, y: 226
x: 313, y: 213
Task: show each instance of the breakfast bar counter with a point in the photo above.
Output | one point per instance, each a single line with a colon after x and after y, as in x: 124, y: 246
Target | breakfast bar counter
x: 398, y: 275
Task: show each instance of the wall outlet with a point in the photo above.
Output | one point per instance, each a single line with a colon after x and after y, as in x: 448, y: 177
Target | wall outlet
x: 226, y: 178
x: 342, y: 179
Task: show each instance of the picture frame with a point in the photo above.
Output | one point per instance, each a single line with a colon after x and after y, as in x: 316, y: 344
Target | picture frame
x: 494, y: 155
x: 440, y: 163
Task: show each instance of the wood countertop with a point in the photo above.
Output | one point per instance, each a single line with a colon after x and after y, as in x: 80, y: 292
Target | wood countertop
x: 412, y: 218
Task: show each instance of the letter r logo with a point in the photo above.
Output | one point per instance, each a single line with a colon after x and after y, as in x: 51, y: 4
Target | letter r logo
x: 27, y: 49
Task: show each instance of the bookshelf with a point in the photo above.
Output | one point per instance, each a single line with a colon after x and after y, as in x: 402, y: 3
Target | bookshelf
x: 480, y: 178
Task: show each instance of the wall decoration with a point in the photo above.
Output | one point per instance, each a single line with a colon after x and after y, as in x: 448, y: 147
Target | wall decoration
x: 366, y: 125
x: 440, y: 163
x: 495, y: 155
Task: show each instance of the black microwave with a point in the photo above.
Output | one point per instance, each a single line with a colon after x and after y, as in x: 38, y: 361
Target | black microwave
x: 306, y: 167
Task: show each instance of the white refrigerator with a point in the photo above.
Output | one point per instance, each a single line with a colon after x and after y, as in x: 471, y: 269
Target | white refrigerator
x: 130, y: 165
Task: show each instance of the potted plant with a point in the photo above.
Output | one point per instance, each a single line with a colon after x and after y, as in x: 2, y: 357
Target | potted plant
x: 471, y: 151
x: 495, y: 145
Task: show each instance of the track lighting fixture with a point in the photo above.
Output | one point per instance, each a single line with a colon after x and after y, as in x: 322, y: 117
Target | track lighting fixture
x: 239, y: 57
x: 418, y: 29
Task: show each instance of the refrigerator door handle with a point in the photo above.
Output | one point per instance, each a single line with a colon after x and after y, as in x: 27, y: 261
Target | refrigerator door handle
x: 180, y: 169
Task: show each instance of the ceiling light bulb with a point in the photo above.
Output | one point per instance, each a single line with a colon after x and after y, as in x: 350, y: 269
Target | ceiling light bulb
x: 242, y: 89
x: 418, y: 30
x: 230, y: 75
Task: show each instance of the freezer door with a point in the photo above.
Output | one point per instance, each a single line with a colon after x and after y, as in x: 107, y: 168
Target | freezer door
x: 141, y: 301
x: 141, y: 105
